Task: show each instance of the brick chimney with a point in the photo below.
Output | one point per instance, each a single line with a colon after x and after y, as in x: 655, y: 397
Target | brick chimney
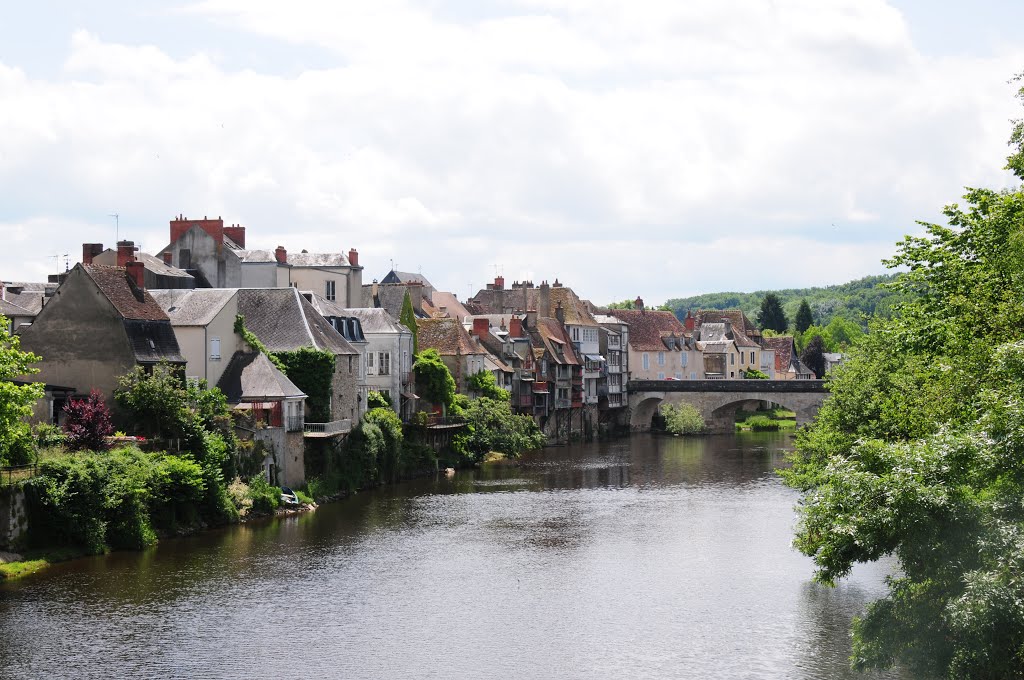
x: 89, y: 251
x: 515, y: 327
x: 215, y: 228
x: 137, y: 273
x: 559, y: 312
x: 638, y: 303
x: 353, y: 257
x: 689, y: 321
x: 125, y: 253
x: 499, y: 283
x: 281, y: 255
x: 236, y: 233
x: 481, y: 327
x: 168, y: 257
x: 544, y: 300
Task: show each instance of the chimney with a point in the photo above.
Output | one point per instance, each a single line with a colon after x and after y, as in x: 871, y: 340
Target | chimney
x: 560, y: 313
x: 690, y: 321
x: 89, y: 251
x: 236, y: 233
x: 281, y: 255
x: 137, y: 273
x: 353, y: 257
x: 515, y: 327
x: 168, y: 257
x: 728, y: 327
x: 125, y: 253
x: 415, y: 289
x: 499, y: 283
x: 481, y: 327
x: 544, y: 300
x: 639, y: 303
x: 374, y: 292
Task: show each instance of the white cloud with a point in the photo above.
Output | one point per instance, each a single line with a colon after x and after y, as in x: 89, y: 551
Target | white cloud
x: 548, y: 135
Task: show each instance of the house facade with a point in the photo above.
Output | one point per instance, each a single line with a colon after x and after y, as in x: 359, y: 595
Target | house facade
x: 204, y: 325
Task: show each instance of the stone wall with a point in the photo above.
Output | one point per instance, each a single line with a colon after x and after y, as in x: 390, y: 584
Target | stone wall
x: 13, y: 517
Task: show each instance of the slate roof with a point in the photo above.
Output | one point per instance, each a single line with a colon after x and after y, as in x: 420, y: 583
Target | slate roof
x: 784, y: 350
x: 737, y: 317
x: 194, y: 306
x: 374, y: 320
x: 128, y: 299
x: 491, y: 301
x: 304, y: 259
x: 283, y: 320
x: 251, y: 376
x: 10, y: 309
x: 447, y: 336
x: 715, y: 331
x: 153, y: 341
x: 648, y: 326
x: 154, y: 264
x: 390, y: 296
x: 30, y: 297
x: 394, y: 276
x: 251, y: 256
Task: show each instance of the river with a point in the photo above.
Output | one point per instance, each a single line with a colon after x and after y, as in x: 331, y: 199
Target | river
x: 648, y: 557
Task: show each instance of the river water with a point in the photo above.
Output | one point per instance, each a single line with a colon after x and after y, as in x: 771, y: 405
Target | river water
x: 648, y: 557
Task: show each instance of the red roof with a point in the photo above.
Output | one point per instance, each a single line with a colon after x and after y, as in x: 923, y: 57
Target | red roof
x: 130, y: 301
x: 648, y: 327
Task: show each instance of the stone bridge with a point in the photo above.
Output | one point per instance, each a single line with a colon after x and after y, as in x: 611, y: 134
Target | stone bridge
x: 718, y: 400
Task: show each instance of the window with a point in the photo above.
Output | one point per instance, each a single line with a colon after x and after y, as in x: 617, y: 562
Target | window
x: 647, y: 362
x: 329, y: 290
x: 682, y: 359
x: 732, y: 359
x: 661, y: 358
x: 215, y: 348
x: 679, y: 375
x: 384, y: 363
x: 370, y: 370
x: 661, y: 376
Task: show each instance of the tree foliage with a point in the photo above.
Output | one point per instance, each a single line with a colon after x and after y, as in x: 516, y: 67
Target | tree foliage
x: 771, y: 314
x: 15, y: 400
x: 918, y: 452
x: 813, y: 356
x: 375, y: 399
x: 486, y: 385
x: 434, y: 382
x: 804, y: 317
x: 491, y: 426
x: 312, y: 371
x: 682, y: 419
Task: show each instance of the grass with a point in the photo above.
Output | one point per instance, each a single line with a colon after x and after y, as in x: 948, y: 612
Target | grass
x: 768, y: 419
x: 37, y: 560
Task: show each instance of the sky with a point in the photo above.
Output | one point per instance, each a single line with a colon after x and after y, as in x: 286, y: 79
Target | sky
x: 625, y: 147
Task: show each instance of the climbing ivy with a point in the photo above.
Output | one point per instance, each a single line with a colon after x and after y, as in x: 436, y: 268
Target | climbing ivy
x: 255, y: 343
x: 312, y: 371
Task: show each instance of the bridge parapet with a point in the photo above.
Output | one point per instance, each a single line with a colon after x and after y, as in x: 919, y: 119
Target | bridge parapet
x: 786, y: 386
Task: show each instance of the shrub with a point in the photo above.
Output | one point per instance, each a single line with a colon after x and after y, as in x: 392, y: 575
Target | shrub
x: 491, y: 426
x: 87, y: 423
x: 238, y: 492
x: 754, y: 374
x: 375, y: 399
x: 682, y: 419
x: 265, y: 498
x: 390, y: 454
x: 47, y: 435
x: 762, y: 424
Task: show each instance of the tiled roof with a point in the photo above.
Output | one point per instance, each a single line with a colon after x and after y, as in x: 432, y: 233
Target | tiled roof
x: 453, y: 307
x: 783, y: 346
x: 647, y: 326
x: 492, y: 301
x: 129, y: 301
x: 304, y: 259
x: 284, y: 321
x: 193, y: 307
x: 250, y: 376
x: 10, y: 309
x: 447, y: 336
x: 715, y: 331
x: 550, y: 335
x: 154, y: 264
x: 737, y: 317
x: 390, y: 296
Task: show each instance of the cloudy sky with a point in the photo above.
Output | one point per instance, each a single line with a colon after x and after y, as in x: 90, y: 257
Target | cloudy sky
x: 627, y: 147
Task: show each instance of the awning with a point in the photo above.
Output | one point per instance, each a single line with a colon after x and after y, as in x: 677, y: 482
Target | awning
x: 540, y: 390
x: 595, y: 357
x: 525, y: 378
x: 409, y: 395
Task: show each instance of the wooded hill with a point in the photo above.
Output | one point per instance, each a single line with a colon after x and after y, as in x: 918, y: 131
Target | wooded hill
x: 855, y: 301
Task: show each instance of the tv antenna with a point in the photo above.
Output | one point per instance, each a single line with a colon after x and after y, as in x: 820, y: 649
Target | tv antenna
x: 117, y: 227
x: 499, y: 270
x: 56, y: 262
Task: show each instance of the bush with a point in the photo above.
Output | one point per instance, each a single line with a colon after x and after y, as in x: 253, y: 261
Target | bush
x: 265, y: 498
x: 375, y: 399
x: 682, y: 419
x: 762, y: 424
x: 47, y: 435
x: 491, y: 426
x: 390, y: 454
x: 754, y: 374
x: 87, y: 423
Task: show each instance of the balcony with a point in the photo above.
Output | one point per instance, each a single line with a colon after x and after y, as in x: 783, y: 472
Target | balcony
x: 331, y: 429
x: 590, y: 399
x: 294, y: 423
x: 563, y: 403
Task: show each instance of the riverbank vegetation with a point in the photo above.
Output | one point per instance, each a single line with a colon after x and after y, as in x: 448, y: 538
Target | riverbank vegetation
x: 768, y: 420
x: 682, y: 419
x: 919, y: 452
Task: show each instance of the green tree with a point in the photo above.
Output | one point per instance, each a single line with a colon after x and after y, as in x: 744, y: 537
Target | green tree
x: 917, y: 453
x: 771, y: 314
x: 375, y: 399
x: 491, y: 426
x: 804, y: 318
x: 486, y: 385
x: 814, y: 356
x: 15, y: 400
x: 682, y: 419
x: 434, y: 381
x: 408, y: 319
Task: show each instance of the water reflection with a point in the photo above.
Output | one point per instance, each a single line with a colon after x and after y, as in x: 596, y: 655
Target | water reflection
x: 641, y: 558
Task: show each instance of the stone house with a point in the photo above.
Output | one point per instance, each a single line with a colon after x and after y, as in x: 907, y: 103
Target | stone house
x: 503, y: 336
x: 614, y: 346
x: 204, y: 324
x: 463, y: 355
x: 99, y: 325
x: 787, y: 364
x: 658, y: 346
x: 275, y: 407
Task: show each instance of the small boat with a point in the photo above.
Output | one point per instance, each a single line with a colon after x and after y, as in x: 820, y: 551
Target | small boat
x: 289, y: 497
